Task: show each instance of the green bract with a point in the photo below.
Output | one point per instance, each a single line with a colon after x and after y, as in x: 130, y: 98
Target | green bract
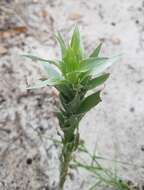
x: 73, y: 76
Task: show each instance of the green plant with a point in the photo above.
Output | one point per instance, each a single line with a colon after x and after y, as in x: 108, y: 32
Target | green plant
x: 74, y: 76
x: 103, y: 177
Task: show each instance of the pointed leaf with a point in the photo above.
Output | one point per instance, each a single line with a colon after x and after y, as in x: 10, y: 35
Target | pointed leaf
x: 95, y: 65
x: 70, y: 61
x: 101, y: 67
x: 96, y: 52
x: 89, y: 102
x: 44, y: 83
x: 76, y: 43
x: 62, y: 43
x: 93, y: 83
x: 35, y: 58
x: 87, y: 65
x: 51, y: 70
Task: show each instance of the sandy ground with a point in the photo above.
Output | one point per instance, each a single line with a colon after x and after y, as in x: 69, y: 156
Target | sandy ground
x: 28, y: 160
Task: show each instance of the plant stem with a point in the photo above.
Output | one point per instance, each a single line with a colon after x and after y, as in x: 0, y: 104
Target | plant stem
x: 69, y: 146
x: 64, y: 165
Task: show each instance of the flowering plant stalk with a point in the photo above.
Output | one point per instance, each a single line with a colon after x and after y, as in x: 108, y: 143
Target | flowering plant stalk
x: 74, y: 76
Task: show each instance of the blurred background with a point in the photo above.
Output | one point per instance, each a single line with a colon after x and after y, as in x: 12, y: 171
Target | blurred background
x: 28, y: 159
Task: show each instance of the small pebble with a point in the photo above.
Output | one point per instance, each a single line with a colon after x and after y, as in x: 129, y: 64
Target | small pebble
x: 132, y: 109
x: 142, y: 148
x: 29, y: 161
x: 75, y: 16
x: 115, y: 41
x: 113, y: 24
x: 3, y: 50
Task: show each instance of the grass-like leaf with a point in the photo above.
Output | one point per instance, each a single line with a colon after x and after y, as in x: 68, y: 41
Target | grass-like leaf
x: 44, y: 83
x: 62, y: 43
x: 35, y: 58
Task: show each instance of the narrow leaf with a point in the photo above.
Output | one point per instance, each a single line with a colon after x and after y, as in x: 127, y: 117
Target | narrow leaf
x: 93, y: 83
x: 62, y: 43
x: 42, y: 84
x: 76, y: 43
x: 96, y: 52
x: 70, y: 62
x: 89, y: 102
x: 35, y: 58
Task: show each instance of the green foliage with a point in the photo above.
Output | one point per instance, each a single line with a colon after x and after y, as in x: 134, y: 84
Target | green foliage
x: 89, y: 102
x: 62, y: 43
x: 74, y: 76
x: 95, y: 82
x: 76, y: 44
x: 96, y: 52
x: 102, y: 176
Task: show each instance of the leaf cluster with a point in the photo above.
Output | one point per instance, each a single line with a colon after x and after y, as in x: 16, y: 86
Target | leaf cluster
x: 74, y: 75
